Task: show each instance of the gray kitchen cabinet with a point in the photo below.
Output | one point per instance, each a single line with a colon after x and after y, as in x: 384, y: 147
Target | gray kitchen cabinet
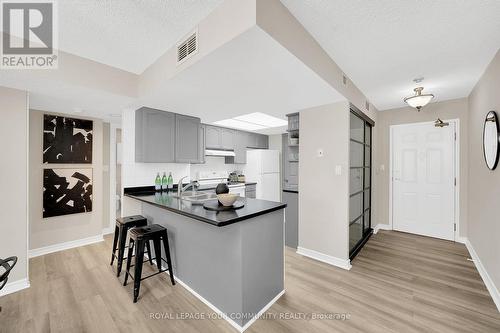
x: 187, y: 139
x: 262, y: 141
x: 154, y: 136
x: 291, y: 218
x: 227, y: 138
x: 201, y: 140
x: 290, y: 169
x: 251, y: 140
x: 240, y: 149
x: 251, y: 191
x: 258, y: 141
x: 213, y: 137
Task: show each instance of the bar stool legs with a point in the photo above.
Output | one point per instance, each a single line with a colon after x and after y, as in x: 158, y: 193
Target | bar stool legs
x: 115, y: 243
x: 139, y: 240
x: 167, y: 254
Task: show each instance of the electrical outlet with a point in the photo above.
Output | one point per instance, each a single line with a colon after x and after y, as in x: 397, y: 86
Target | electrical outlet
x: 338, y: 170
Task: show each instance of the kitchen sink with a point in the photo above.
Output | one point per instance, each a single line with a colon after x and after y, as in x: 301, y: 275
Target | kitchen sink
x: 198, y: 198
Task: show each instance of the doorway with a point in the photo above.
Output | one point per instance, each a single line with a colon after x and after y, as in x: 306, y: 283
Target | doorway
x: 423, y: 189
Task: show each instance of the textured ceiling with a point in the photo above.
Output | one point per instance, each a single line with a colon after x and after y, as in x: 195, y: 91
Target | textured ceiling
x: 382, y: 45
x: 127, y: 34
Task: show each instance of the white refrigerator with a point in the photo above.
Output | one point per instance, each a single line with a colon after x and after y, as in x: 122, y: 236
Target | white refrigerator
x: 263, y: 167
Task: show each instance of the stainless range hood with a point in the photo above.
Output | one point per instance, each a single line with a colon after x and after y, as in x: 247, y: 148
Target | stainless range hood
x: 216, y: 152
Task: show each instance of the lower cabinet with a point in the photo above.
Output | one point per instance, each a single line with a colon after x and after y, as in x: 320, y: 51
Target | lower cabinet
x: 291, y: 218
x: 251, y: 191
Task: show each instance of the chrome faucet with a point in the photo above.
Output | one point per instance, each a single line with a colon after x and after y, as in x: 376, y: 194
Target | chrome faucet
x: 194, y: 185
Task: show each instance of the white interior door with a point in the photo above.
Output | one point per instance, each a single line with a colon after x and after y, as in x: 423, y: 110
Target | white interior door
x: 423, y: 179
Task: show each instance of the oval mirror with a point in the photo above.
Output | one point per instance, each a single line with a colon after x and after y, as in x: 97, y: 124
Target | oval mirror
x: 490, y: 140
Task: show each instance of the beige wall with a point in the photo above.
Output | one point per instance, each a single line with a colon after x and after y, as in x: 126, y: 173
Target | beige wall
x: 484, y: 184
x: 106, y: 193
x: 324, y: 196
x: 60, y: 229
x: 13, y: 178
x: 454, y: 109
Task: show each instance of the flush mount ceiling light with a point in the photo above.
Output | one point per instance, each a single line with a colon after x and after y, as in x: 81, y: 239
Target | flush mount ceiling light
x: 252, y: 122
x: 418, y: 100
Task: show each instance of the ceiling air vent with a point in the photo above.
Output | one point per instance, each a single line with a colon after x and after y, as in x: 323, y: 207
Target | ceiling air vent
x: 187, y: 48
x: 367, y: 105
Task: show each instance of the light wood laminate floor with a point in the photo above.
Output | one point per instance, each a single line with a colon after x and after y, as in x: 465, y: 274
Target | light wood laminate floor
x: 399, y: 283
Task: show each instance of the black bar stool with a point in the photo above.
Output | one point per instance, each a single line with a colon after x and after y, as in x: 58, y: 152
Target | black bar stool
x: 123, y: 225
x: 140, y: 237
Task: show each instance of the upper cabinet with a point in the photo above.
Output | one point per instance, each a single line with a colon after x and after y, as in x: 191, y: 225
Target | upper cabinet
x: 228, y: 136
x: 240, y: 149
x: 213, y: 137
x: 165, y: 137
x: 219, y: 138
x: 259, y: 141
x: 187, y: 139
x: 154, y: 136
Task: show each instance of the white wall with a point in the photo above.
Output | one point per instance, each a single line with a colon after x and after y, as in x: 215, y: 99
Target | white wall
x: 323, y: 195
x: 14, y: 181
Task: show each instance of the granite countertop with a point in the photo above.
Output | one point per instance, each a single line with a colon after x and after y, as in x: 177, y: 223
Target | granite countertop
x: 252, y: 208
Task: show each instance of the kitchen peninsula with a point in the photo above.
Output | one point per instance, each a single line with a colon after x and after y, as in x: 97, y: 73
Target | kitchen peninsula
x: 231, y: 260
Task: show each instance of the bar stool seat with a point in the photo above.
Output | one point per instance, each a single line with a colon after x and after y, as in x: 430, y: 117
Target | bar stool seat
x: 139, y: 238
x: 123, y: 225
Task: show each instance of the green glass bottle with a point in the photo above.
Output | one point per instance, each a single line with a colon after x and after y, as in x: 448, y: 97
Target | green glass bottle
x: 170, y: 182
x: 158, y: 182
x: 164, y: 182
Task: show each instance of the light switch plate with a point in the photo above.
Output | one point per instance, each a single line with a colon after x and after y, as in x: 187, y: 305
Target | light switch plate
x: 338, y: 170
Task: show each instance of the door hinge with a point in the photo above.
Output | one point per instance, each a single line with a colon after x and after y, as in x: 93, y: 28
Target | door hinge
x: 455, y: 136
x: 454, y: 227
x: 455, y: 181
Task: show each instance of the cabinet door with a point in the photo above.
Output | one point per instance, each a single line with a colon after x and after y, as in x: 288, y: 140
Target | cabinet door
x: 240, y: 148
x: 291, y: 219
x: 252, y: 140
x: 187, y: 143
x: 213, y: 137
x: 155, y: 136
x: 201, y: 153
x: 262, y: 141
x: 227, y: 139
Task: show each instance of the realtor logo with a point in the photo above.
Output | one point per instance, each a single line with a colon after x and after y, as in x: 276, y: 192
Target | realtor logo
x: 29, y: 34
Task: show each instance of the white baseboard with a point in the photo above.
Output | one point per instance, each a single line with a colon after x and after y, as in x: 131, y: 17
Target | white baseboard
x: 490, y: 285
x: 64, y: 246
x: 381, y: 227
x: 219, y: 312
x: 462, y: 240
x: 14, y: 286
x: 342, y: 263
x: 108, y: 230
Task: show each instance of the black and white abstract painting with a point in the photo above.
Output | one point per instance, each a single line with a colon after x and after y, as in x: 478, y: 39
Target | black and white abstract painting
x: 66, y: 191
x: 67, y: 140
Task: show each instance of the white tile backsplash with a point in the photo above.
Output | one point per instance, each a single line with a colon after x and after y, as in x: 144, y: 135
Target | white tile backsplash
x: 213, y: 164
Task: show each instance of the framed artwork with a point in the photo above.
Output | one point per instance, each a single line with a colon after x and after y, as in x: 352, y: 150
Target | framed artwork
x: 66, y: 191
x: 67, y: 140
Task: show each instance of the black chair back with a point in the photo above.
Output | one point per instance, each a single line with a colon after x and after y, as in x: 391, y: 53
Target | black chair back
x: 7, y: 265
